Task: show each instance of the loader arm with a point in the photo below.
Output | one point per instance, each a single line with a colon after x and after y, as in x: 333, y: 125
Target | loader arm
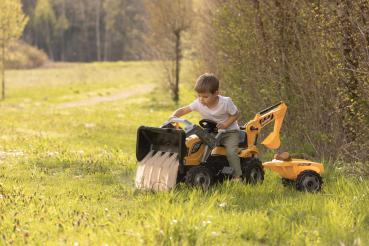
x: 274, y: 113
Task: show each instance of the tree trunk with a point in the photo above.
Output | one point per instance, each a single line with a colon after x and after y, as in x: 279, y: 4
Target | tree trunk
x: 62, y: 42
x: 178, y: 60
x: 349, y: 80
x: 259, y: 23
x: 98, y: 41
x: 364, y: 13
x: 48, y: 40
x: 3, y: 70
x: 106, y: 43
x: 283, y: 51
x: 83, y: 48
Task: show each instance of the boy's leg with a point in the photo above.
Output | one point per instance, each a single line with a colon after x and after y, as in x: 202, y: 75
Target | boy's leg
x: 230, y: 140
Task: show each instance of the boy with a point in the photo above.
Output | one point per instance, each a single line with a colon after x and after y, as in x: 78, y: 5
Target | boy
x: 220, y: 109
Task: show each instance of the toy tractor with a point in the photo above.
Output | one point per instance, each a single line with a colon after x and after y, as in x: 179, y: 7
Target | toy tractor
x: 180, y: 151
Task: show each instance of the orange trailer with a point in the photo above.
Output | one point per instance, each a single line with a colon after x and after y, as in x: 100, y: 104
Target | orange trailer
x: 304, y: 174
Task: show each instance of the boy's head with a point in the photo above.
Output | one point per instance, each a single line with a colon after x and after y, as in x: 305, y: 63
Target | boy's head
x: 207, y: 86
x: 207, y: 83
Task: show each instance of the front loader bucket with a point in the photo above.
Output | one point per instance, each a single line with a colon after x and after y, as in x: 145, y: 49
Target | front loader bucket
x: 160, y: 152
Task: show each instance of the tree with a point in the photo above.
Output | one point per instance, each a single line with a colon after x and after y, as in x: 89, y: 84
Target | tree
x: 12, y: 23
x: 61, y: 26
x: 312, y: 54
x: 45, y: 21
x: 97, y: 26
x: 124, y: 30
x: 86, y: 30
x: 168, y: 20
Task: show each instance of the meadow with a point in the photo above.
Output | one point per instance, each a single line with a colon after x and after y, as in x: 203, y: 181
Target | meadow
x: 66, y: 173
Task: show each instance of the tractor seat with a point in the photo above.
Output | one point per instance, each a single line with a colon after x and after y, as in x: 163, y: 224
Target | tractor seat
x: 243, y: 139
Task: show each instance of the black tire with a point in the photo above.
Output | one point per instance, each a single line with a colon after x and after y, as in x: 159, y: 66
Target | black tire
x: 199, y: 176
x: 252, y: 171
x: 287, y: 182
x: 309, y: 181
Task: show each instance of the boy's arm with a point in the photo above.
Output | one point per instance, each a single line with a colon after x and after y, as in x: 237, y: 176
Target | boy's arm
x: 229, y: 121
x: 181, y: 111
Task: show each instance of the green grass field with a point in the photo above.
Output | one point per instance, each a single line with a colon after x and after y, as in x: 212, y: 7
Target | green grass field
x: 66, y: 174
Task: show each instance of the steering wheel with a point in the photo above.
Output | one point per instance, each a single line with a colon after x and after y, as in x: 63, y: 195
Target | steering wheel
x: 210, y: 125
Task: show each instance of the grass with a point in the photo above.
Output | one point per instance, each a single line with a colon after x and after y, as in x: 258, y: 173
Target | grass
x: 66, y: 175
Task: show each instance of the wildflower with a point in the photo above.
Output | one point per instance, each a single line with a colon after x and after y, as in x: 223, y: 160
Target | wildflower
x: 80, y: 152
x: 174, y: 222
x: 11, y: 153
x: 52, y: 153
x: 205, y: 223
x: 89, y: 125
x: 222, y: 205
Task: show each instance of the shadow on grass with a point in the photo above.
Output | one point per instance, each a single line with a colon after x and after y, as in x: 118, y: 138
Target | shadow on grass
x: 72, y: 167
x: 105, y: 169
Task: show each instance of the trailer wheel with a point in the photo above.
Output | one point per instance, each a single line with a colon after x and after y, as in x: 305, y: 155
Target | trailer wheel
x: 199, y: 176
x: 252, y: 171
x: 309, y: 181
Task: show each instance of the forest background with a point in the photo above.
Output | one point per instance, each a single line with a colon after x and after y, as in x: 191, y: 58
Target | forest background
x: 314, y: 55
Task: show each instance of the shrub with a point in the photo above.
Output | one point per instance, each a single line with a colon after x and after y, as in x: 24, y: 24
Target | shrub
x: 24, y: 56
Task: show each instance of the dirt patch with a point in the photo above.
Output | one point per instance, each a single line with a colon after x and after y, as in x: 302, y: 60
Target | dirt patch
x: 95, y: 100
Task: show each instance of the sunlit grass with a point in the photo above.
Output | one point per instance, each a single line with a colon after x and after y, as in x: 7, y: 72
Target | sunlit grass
x: 66, y: 175
x: 68, y: 82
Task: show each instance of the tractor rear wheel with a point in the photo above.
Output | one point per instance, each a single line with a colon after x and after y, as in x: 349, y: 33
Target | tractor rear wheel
x: 309, y: 180
x: 199, y: 176
x: 252, y: 171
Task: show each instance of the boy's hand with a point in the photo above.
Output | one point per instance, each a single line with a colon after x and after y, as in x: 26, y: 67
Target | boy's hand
x: 171, y: 117
x: 221, y: 126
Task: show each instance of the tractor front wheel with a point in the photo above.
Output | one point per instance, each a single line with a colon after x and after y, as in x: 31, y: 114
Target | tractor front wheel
x: 309, y: 181
x: 199, y: 176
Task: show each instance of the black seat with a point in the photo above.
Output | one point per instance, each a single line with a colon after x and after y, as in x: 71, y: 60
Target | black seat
x: 243, y: 139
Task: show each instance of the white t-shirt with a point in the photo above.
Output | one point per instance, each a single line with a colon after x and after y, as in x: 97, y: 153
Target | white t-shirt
x: 220, y: 113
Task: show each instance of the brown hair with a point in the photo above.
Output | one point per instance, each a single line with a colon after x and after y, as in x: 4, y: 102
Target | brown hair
x: 207, y: 83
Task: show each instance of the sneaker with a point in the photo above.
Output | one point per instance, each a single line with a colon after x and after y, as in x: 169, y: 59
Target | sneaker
x: 236, y: 179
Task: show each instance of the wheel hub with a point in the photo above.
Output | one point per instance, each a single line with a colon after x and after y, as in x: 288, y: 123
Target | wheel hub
x: 255, y: 176
x: 311, y: 183
x: 202, y: 179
